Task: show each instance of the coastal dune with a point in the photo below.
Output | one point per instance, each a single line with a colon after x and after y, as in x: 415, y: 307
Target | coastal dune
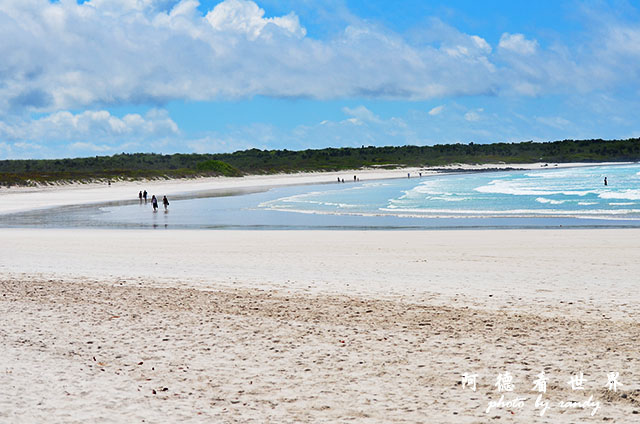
x: 316, y: 326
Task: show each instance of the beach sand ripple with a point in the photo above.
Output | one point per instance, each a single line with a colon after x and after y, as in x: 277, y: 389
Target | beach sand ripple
x: 97, y: 352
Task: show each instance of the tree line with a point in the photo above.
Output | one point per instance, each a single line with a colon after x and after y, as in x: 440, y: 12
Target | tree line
x: 130, y: 166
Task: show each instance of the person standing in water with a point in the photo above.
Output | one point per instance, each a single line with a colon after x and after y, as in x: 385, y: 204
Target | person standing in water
x: 154, y: 203
x: 144, y: 194
x: 140, y: 196
x: 165, y: 202
x: 605, y: 181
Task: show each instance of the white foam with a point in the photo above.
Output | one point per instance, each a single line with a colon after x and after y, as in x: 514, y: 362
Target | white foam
x: 274, y: 203
x: 630, y: 194
x: 520, y: 212
x: 517, y: 188
x: 604, y: 214
x: 449, y: 198
x: 549, y: 201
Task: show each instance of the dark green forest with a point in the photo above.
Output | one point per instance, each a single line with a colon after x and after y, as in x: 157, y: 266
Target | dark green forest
x: 127, y: 166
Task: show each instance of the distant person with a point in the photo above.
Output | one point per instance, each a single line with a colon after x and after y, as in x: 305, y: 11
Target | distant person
x: 408, y: 175
x: 420, y: 173
x: 109, y: 183
x: 154, y: 203
x: 354, y: 178
x: 144, y: 194
x: 338, y: 179
x: 605, y: 181
x: 165, y: 202
x: 343, y: 180
x: 140, y: 196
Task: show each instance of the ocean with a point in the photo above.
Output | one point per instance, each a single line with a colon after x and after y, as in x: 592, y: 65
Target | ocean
x: 544, y: 198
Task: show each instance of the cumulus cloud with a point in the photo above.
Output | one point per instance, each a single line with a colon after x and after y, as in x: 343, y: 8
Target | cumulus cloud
x: 65, y: 55
x: 239, y: 16
x: 517, y: 43
x: 92, y: 125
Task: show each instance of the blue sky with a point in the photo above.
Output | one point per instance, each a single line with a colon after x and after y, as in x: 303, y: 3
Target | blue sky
x: 84, y: 78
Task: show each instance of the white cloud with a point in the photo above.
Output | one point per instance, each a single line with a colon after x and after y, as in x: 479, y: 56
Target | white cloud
x: 65, y: 55
x: 92, y: 125
x: 246, y: 17
x: 481, y: 43
x: 436, y: 110
x: 518, y: 43
x: 259, y: 136
x: 473, y: 115
x: 360, y: 114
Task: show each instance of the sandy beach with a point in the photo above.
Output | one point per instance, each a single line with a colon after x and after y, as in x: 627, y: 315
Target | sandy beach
x: 209, y: 326
x: 20, y: 199
x: 114, y: 326
x: 318, y: 212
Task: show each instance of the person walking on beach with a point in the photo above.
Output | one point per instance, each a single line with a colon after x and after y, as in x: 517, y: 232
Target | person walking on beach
x: 144, y: 194
x: 154, y: 203
x: 165, y: 202
x: 605, y: 180
x: 140, y: 196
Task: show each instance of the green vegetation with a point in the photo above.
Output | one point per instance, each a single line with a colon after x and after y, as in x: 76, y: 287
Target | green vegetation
x: 254, y: 161
x: 217, y: 167
x: 110, y: 168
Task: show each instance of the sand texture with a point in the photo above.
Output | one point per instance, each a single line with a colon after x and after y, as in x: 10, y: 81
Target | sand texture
x: 315, y: 326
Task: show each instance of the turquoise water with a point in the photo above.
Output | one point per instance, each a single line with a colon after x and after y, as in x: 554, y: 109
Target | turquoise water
x: 544, y: 198
x: 570, y: 192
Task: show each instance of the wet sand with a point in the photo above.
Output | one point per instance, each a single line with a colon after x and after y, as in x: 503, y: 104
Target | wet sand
x: 20, y: 199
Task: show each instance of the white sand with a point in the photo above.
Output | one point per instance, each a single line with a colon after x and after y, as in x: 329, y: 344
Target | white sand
x: 314, y: 326
x: 308, y: 326
x: 20, y: 199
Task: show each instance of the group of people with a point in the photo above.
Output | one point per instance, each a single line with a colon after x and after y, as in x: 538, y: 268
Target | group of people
x: 355, y: 178
x: 154, y: 201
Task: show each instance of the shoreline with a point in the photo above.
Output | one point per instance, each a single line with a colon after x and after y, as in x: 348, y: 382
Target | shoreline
x: 24, y: 199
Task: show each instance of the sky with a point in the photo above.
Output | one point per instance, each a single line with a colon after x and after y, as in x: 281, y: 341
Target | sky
x: 98, y: 77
